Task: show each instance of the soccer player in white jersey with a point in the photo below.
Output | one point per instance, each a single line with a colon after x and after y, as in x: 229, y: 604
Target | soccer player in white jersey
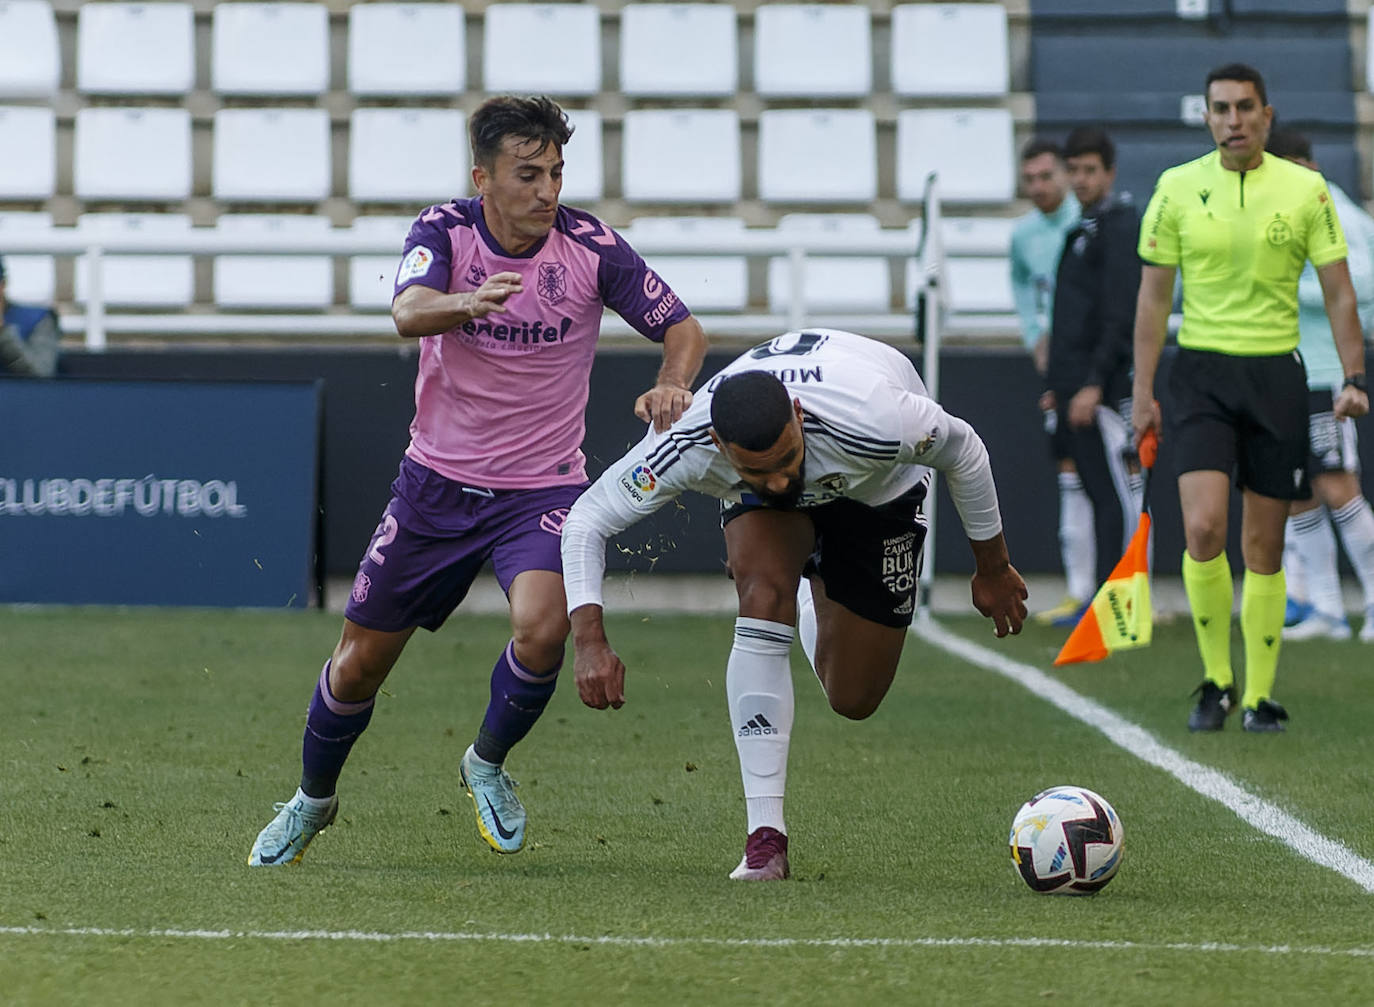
x: 505, y: 292
x: 819, y: 445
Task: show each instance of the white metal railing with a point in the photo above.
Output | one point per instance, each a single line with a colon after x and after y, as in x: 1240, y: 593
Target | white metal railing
x: 97, y: 323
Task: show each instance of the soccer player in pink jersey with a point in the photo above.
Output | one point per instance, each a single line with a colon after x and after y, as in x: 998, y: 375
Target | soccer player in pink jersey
x: 505, y: 292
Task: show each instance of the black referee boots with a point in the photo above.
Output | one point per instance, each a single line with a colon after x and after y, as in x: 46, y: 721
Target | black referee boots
x: 1265, y: 717
x: 1213, y: 705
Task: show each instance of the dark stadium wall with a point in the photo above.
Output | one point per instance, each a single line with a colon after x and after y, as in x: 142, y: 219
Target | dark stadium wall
x: 368, y: 405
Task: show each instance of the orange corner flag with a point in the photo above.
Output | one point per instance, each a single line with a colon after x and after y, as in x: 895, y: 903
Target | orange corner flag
x: 1119, y: 617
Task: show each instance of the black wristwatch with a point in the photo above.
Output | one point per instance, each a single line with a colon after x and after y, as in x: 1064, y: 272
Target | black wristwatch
x: 1357, y: 382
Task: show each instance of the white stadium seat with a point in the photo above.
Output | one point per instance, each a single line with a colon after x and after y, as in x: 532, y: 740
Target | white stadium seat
x: 135, y: 48
x: 139, y: 281
x: 832, y: 283
x: 270, y: 48
x: 681, y: 155
x: 812, y: 50
x: 133, y: 154
x: 32, y: 131
x: 273, y: 281
x: 970, y: 148
x: 29, y: 279
x: 818, y: 156
x: 703, y: 282
x: 970, y: 235
x: 271, y: 155
x: 949, y: 49
x: 979, y: 284
x: 372, y: 278
x: 542, y: 48
x: 661, y: 48
x: 406, y: 49
x: 407, y: 155
x: 30, y: 60
x: 584, y: 178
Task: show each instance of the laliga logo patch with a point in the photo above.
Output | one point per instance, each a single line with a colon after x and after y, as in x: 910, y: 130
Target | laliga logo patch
x: 416, y: 263
x: 638, y: 483
x: 925, y: 444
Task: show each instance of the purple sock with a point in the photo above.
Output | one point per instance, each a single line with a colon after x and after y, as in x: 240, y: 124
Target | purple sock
x: 518, y: 697
x: 331, y: 727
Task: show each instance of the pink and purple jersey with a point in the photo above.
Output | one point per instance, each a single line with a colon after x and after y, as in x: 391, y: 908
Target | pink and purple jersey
x: 500, y: 400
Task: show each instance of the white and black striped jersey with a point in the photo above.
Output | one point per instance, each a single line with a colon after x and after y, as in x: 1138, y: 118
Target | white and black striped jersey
x: 871, y: 433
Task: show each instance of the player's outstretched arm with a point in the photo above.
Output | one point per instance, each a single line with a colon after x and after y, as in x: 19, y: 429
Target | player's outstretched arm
x: 423, y: 311
x: 599, y: 671
x: 684, y: 348
x: 998, y: 590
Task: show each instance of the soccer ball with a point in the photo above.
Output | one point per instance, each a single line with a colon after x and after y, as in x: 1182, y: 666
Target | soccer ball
x: 1066, y: 841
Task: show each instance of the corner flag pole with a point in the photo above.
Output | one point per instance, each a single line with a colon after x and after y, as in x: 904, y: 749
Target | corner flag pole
x: 930, y: 257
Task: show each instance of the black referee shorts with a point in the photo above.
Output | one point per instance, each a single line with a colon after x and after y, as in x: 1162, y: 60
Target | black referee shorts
x: 1245, y: 416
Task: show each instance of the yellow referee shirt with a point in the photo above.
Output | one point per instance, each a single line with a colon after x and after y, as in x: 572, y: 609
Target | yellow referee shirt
x: 1241, y: 239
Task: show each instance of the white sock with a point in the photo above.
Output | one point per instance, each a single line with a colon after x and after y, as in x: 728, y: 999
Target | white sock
x: 1316, y: 546
x: 1077, y: 539
x: 313, y: 803
x: 806, y: 622
x: 1355, y: 522
x: 758, y: 687
x: 1294, y: 573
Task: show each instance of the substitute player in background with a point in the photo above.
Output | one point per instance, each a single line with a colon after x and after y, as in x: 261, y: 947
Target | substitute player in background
x: 820, y: 445
x: 505, y: 292
x: 1037, y: 241
x: 1240, y: 225
x: 1333, y: 460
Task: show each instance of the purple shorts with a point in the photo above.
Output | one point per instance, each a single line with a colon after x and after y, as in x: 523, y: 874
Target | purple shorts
x: 434, y: 536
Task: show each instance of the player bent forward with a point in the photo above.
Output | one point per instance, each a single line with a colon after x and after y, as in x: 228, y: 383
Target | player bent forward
x: 820, y: 446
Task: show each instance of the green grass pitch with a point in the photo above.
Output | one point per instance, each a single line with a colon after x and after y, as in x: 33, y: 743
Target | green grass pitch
x: 141, y: 750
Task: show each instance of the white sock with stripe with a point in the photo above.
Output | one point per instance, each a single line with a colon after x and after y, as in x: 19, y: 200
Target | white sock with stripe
x: 758, y: 687
x: 1355, y: 522
x: 1316, y: 545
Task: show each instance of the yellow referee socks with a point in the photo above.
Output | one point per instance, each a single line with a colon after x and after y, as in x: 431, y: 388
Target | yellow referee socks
x: 1262, y: 599
x: 1210, y: 597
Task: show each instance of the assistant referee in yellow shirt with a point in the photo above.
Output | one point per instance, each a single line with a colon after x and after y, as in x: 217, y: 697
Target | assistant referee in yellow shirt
x: 1239, y: 224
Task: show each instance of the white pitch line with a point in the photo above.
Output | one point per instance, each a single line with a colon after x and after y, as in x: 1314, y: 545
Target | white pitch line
x: 1208, y: 782
x: 611, y: 940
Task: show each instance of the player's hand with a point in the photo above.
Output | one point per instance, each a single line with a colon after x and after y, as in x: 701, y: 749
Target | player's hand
x: 1047, y: 402
x: 1350, y: 403
x: 600, y: 676
x: 1083, y: 406
x: 491, y: 296
x: 1145, y: 416
x: 1000, y: 595
x: 1040, y: 355
x: 663, y: 405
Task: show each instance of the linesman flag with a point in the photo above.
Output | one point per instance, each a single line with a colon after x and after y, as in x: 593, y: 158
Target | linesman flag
x: 1119, y: 617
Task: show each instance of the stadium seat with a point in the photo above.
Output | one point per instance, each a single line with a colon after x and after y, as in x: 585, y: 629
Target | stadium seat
x: 542, y: 48
x: 271, y: 155
x: 30, y: 61
x: 970, y: 148
x: 407, y: 155
x: 583, y: 175
x: 812, y: 50
x: 681, y: 155
x: 949, y: 49
x: 273, y: 281
x: 384, y: 40
x: 970, y: 235
x: 976, y: 284
x: 270, y: 48
x: 818, y: 156
x: 32, y: 131
x: 139, y: 281
x: 706, y: 282
x: 133, y: 154
x: 833, y: 283
x: 29, y: 279
x: 1095, y: 10
x: 661, y: 47
x: 1265, y: 9
x: 371, y: 278
x: 135, y: 48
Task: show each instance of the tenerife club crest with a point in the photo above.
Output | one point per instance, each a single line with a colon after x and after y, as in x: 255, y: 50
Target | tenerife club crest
x: 552, y: 282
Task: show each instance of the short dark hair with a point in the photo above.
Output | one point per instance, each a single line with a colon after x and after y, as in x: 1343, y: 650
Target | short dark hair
x: 1289, y: 143
x: 1091, y: 140
x: 750, y: 410
x: 1238, y: 71
x: 537, y: 119
x: 1040, y: 145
